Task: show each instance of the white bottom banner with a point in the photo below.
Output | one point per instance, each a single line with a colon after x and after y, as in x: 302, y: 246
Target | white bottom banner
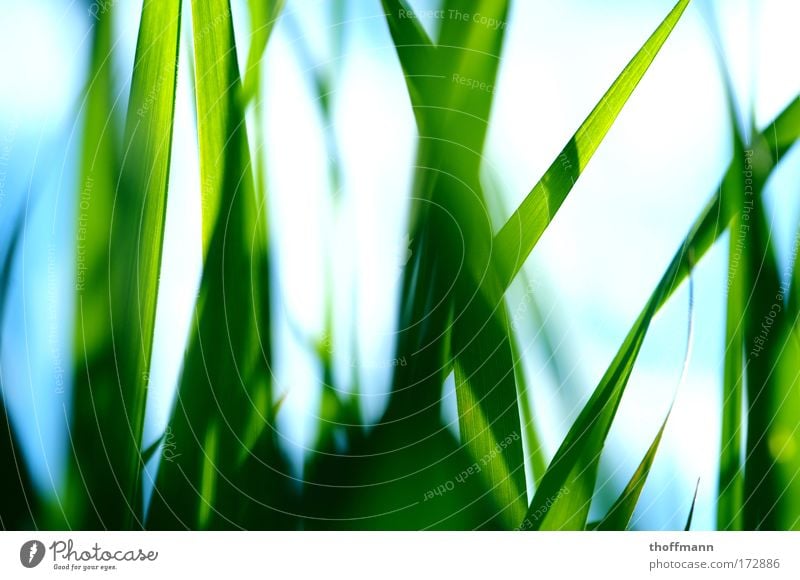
x: 428, y: 555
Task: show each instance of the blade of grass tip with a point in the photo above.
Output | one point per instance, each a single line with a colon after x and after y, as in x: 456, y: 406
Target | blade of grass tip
x: 523, y: 229
x: 149, y: 130
x: 621, y: 512
x: 323, y: 79
x: 111, y: 382
x: 576, y: 453
x: 417, y: 54
x: 17, y: 496
x: 688, y: 525
x: 225, y: 472
x: 264, y: 16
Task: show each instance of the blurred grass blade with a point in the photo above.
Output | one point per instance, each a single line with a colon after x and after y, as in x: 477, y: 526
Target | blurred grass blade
x: 688, y: 525
x: 765, y: 322
x: 783, y: 133
x: 782, y: 440
x: 519, y: 235
x: 417, y: 55
x: 223, y: 473
x: 441, y: 302
x: 121, y: 230
x: 486, y: 390
x: 94, y: 373
x: 731, y: 491
x: 620, y: 514
x: 771, y: 386
x: 263, y: 17
x: 17, y: 497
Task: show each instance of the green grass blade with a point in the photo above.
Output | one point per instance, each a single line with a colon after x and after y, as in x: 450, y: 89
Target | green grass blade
x: 264, y: 15
x: 784, y: 400
x: 766, y: 328
x: 562, y: 501
x: 536, y: 455
x: 223, y: 472
x: 417, y: 54
x: 519, y: 235
x: 100, y: 169
x: 564, y: 496
x: 120, y: 232
x: 765, y: 322
x: 621, y: 512
x: 17, y: 497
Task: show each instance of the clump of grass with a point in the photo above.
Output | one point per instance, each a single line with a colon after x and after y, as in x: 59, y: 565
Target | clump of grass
x: 230, y: 472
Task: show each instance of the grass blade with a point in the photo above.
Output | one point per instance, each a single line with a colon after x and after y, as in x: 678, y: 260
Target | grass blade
x: 264, y: 15
x: 767, y: 327
x: 224, y: 474
x: 569, y: 481
x: 519, y: 235
x: 620, y: 514
x: 730, y: 491
x: 113, y: 360
x: 563, y: 499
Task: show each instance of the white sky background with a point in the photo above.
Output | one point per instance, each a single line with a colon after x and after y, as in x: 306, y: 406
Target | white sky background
x: 597, y: 263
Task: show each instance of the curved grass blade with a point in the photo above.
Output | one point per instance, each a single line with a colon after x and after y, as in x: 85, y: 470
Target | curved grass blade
x: 564, y: 496
x: 120, y: 233
x: 620, y: 514
x: 264, y: 15
x: 519, y: 235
